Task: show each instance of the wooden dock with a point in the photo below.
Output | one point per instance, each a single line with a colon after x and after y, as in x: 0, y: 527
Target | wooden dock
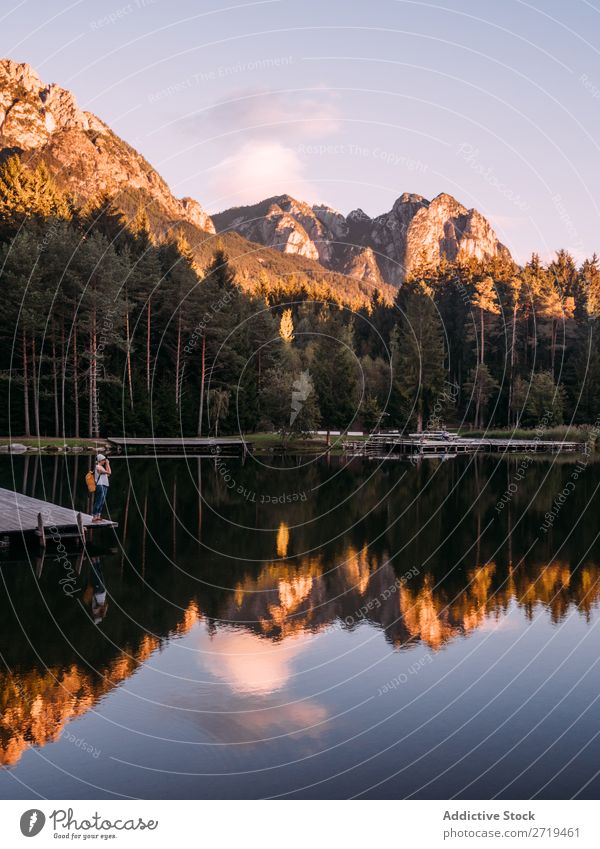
x: 20, y: 514
x: 380, y: 446
x: 230, y: 445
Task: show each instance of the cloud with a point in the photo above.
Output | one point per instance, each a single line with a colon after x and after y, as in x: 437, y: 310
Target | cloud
x: 291, y: 115
x: 251, y: 664
x: 258, y: 170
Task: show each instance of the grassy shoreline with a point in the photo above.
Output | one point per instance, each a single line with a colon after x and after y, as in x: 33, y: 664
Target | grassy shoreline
x: 272, y: 443
x: 560, y: 433
x: 262, y: 442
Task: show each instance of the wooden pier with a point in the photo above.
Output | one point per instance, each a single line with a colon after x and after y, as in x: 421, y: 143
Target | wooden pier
x: 231, y: 446
x: 380, y: 446
x: 20, y: 514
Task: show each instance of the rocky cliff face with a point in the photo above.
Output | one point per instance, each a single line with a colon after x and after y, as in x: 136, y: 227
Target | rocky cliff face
x: 44, y: 122
x: 387, y: 247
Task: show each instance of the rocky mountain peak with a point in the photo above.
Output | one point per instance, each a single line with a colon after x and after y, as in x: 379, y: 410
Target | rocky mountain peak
x: 21, y: 73
x: 384, y: 248
x: 410, y: 197
x: 358, y: 215
x: 30, y: 110
x: 44, y: 123
x: 333, y: 220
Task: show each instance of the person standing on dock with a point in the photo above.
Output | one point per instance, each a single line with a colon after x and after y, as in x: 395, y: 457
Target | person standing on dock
x: 102, y: 474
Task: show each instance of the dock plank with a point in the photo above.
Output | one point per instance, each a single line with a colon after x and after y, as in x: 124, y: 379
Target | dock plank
x: 19, y: 513
x: 169, y: 440
x: 181, y: 444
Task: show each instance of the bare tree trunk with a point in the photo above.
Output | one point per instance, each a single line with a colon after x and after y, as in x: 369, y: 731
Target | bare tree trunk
x: 128, y: 341
x: 75, y: 378
x: 178, y: 363
x: 512, y: 361
x: 63, y: 376
x: 55, y: 381
x: 258, y: 380
x: 36, y: 388
x: 148, y: 346
x: 94, y: 413
x: 90, y: 426
x: 482, y: 336
x: 202, y: 381
x: 26, y: 386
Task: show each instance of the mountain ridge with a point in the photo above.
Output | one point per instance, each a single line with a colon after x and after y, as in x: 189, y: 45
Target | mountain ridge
x: 386, y: 248
x: 280, y: 240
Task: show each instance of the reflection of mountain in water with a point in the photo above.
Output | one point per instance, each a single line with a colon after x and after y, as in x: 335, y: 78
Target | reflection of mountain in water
x: 420, y: 569
x: 280, y: 602
x: 285, y: 599
x: 37, y: 704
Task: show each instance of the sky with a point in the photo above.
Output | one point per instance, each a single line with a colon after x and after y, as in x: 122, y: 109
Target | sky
x: 347, y: 104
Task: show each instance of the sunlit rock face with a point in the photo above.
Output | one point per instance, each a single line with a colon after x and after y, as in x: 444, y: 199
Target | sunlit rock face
x: 315, y: 232
x: 386, y: 248
x: 44, y: 122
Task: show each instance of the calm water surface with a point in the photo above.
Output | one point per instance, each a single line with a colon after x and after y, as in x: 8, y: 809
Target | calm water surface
x: 311, y: 629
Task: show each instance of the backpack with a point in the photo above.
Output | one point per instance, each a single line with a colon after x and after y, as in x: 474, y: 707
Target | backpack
x: 90, y: 481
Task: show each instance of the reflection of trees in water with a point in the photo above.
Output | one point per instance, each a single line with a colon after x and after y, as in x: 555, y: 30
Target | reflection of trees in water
x: 283, y: 600
x: 286, y: 599
x: 358, y: 552
x: 37, y: 704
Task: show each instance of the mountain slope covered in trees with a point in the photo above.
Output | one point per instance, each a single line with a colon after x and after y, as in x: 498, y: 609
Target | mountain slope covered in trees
x: 122, y: 319
x: 44, y: 125
x: 391, y: 247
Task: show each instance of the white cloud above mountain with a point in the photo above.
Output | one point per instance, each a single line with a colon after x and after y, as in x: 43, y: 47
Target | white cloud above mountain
x: 257, y: 170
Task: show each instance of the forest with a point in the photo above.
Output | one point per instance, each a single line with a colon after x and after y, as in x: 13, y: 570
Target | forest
x: 108, y: 330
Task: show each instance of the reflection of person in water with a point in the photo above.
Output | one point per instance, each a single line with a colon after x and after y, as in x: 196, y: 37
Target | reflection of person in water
x: 95, y: 594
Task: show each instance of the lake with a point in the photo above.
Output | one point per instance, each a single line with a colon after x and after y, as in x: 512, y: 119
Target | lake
x: 316, y: 628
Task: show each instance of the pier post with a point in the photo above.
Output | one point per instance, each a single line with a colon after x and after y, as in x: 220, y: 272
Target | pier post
x: 80, y: 528
x: 41, y: 532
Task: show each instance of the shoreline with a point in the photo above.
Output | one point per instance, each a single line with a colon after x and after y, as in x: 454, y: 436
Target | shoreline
x: 270, y: 443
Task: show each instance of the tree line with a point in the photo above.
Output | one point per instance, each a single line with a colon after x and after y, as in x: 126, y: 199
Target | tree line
x: 109, y: 330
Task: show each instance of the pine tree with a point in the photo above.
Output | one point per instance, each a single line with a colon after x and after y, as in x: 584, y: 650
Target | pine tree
x: 418, y: 363
x: 286, y: 326
x: 333, y: 370
x: 481, y: 387
x: 26, y: 194
x: 485, y: 301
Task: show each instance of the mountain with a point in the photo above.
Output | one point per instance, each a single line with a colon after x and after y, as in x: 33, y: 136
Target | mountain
x: 385, y: 248
x: 43, y: 122
x: 293, y: 227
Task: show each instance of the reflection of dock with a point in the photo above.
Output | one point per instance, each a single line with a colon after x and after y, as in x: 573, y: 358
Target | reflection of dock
x: 385, y: 445
x: 21, y: 514
x: 230, y: 445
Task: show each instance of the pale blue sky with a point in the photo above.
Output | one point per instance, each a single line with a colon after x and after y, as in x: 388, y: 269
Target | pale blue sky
x: 350, y: 104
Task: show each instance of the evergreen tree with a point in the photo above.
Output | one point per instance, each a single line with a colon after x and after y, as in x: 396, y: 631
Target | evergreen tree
x: 333, y: 370
x: 481, y: 387
x: 286, y: 326
x: 418, y: 363
x: 545, y: 400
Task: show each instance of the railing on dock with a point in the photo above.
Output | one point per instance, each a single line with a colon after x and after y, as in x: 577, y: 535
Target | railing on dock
x: 383, y: 445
